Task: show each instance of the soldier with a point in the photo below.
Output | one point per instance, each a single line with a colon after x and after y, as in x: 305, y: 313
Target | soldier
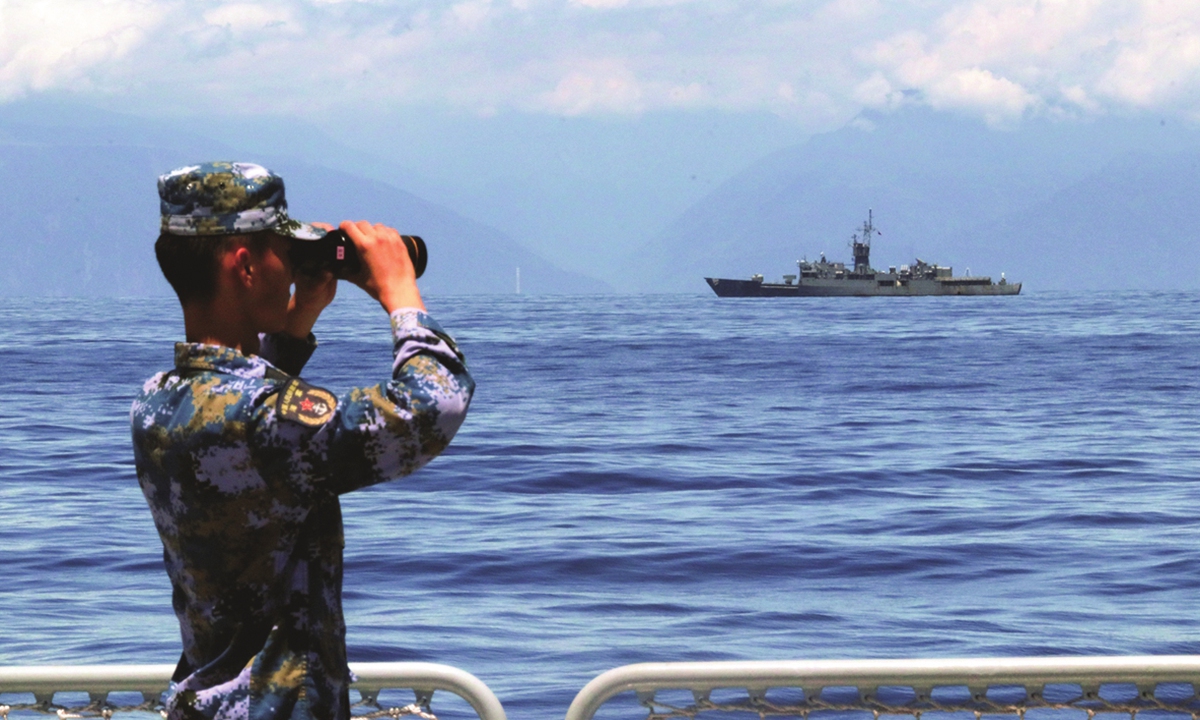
x: 242, y: 462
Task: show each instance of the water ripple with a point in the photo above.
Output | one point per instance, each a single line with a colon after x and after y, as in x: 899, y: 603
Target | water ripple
x: 672, y: 478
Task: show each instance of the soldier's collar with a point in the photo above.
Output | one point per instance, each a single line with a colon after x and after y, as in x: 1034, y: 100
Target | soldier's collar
x: 218, y: 358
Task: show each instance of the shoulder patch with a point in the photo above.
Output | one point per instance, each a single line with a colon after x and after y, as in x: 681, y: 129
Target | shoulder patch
x: 305, y: 403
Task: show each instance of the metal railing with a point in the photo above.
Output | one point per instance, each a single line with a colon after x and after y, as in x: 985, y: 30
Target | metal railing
x: 882, y: 687
x: 907, y: 687
x: 98, y: 681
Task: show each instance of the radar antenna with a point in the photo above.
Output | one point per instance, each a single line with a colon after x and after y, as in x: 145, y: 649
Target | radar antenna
x: 862, y: 247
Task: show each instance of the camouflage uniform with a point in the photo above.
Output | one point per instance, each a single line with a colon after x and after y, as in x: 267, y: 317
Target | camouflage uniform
x: 242, y: 464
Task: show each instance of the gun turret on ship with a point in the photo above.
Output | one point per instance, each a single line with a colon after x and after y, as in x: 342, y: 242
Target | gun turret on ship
x: 824, y: 278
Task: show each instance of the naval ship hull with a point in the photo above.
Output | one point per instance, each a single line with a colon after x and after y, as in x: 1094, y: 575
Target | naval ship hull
x: 865, y: 287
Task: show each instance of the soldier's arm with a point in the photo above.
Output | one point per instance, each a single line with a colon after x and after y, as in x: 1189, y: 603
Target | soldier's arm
x: 382, y: 432
x: 385, y: 431
x: 370, y: 434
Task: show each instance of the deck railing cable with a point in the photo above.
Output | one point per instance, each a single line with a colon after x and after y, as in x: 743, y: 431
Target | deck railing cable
x: 107, y: 686
x: 1087, y: 686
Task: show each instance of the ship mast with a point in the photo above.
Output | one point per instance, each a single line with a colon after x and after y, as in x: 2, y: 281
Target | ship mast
x: 862, y: 247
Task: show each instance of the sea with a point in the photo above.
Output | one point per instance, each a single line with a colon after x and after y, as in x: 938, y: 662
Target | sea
x: 671, y: 478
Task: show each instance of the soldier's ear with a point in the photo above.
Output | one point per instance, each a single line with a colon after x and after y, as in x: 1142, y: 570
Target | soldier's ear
x: 241, y: 262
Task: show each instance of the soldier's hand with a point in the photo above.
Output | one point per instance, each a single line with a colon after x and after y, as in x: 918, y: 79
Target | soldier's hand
x: 313, y: 294
x: 387, y: 274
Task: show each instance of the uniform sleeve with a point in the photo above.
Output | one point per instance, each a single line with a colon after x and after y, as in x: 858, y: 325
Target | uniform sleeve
x: 384, y: 431
x: 286, y: 352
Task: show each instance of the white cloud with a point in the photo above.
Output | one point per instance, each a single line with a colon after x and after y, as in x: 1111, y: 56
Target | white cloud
x: 1159, y: 57
x: 1003, y: 58
x: 59, y: 45
x: 614, y: 4
x: 999, y: 99
x: 818, y: 62
x: 608, y: 87
x: 243, y: 18
x: 602, y: 4
x: 472, y: 13
x: 877, y: 92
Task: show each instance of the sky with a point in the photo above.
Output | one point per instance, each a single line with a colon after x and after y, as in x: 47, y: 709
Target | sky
x: 481, y: 103
x: 816, y: 63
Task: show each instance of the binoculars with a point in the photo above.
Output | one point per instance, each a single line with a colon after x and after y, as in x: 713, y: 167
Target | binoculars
x: 336, y: 253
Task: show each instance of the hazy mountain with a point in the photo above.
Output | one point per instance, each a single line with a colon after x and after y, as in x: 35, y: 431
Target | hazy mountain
x: 79, y: 211
x: 1062, y: 205
x: 1053, y: 204
x: 1134, y: 224
x: 580, y: 191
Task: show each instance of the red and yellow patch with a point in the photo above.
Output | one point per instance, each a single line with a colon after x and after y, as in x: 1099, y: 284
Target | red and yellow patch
x: 305, y: 403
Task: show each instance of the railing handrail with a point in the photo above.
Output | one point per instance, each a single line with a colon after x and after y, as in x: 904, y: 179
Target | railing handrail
x: 815, y: 674
x: 41, y: 679
x: 430, y: 676
x: 153, y: 679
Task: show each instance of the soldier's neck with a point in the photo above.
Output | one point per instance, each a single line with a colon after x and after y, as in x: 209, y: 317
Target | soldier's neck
x: 221, y: 323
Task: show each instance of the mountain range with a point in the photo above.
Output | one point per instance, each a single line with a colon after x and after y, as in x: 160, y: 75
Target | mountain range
x: 1106, y: 204
x: 1058, y: 204
x: 80, y: 212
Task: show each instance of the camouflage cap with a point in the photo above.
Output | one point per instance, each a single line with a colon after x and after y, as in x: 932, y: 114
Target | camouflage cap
x: 227, y: 198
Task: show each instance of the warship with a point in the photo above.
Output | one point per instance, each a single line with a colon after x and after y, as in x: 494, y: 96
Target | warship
x: 823, y: 278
